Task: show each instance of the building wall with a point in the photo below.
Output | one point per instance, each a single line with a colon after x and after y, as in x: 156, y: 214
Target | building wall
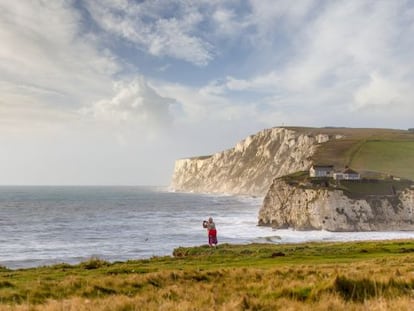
x: 319, y: 173
x: 352, y: 176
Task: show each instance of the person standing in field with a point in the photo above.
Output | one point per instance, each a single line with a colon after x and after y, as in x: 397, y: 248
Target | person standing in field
x: 212, y: 232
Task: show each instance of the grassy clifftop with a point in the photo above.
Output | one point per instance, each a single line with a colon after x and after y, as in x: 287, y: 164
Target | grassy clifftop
x: 354, y: 189
x: 385, y: 151
x: 321, y: 276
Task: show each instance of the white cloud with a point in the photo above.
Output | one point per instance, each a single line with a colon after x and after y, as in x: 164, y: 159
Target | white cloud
x: 47, y: 68
x: 228, y: 24
x: 340, y: 57
x: 194, y: 103
x: 151, y: 27
x: 211, y: 104
x: 134, y: 102
x: 271, y: 18
x: 382, y: 93
x: 225, y: 19
x: 268, y: 82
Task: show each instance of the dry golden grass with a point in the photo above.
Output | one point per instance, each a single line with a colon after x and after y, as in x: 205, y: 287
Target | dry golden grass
x: 376, y: 276
x: 122, y: 303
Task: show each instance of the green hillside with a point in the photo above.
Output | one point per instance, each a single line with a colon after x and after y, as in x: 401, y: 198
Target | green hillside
x: 391, y: 157
x: 383, y: 151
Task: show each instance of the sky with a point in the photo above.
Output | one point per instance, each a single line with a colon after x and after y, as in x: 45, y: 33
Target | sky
x: 112, y: 92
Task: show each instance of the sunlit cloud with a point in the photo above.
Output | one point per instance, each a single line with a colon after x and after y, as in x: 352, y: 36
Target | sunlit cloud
x: 133, y: 102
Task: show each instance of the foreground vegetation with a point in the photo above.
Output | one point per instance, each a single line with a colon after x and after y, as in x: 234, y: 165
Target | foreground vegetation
x: 322, y: 276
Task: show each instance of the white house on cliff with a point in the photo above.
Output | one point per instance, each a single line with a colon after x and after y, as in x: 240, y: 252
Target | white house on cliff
x: 347, y: 174
x: 321, y: 171
x: 328, y: 171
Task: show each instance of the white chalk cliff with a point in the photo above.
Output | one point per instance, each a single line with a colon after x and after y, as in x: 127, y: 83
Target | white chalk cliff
x: 249, y: 167
x: 253, y: 167
x: 304, y: 209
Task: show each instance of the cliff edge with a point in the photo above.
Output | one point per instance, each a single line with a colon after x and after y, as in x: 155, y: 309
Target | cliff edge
x: 250, y: 167
x: 293, y: 206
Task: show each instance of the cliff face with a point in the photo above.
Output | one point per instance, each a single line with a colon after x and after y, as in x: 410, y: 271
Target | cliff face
x: 250, y: 166
x: 304, y: 209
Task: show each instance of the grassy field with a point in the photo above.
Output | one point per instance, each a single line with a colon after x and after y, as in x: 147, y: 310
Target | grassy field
x: 391, y: 157
x: 368, y: 188
x: 385, y: 151
x: 311, y: 276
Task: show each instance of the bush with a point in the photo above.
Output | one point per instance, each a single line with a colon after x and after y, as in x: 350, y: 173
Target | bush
x: 94, y: 263
x: 356, y: 290
x: 362, y: 289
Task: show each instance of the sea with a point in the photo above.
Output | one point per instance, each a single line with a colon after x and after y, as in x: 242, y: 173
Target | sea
x: 46, y: 225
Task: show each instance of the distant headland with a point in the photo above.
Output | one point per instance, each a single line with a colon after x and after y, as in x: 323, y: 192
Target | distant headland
x: 331, y: 178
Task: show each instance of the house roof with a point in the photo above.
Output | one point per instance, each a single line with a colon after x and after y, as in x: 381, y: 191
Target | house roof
x: 350, y: 171
x: 321, y: 167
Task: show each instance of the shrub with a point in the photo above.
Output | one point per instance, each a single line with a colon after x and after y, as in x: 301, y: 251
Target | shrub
x: 356, y: 290
x: 94, y: 263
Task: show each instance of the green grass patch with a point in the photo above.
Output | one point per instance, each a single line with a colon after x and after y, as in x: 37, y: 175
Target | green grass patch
x: 364, y: 188
x: 389, y: 157
x: 390, y: 152
x: 255, y: 276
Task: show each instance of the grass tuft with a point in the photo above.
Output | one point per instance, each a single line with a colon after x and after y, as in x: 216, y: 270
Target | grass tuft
x: 356, y: 290
x: 299, y: 293
x: 94, y: 263
x: 363, y: 289
x: 6, y: 284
